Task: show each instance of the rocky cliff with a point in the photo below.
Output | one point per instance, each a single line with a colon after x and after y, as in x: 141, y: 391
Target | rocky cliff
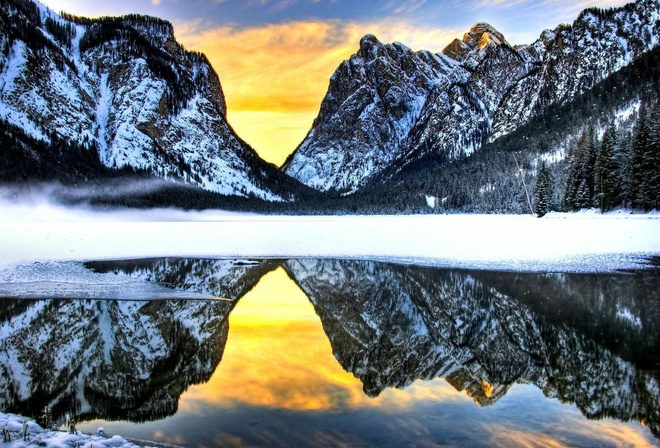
x: 129, y: 95
x: 389, y: 105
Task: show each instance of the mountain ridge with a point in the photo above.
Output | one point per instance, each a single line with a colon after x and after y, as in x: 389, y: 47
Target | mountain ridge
x: 124, y: 88
x: 486, y: 89
x: 113, y: 96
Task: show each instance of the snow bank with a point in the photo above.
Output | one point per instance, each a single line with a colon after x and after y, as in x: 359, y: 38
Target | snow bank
x: 567, y: 242
x: 55, y: 279
x: 56, y: 439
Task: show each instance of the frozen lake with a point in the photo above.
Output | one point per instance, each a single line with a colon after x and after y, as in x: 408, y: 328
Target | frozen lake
x: 332, y: 352
x: 211, y: 328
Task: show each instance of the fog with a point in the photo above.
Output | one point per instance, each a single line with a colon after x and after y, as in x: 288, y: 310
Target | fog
x: 35, y: 225
x: 54, y: 202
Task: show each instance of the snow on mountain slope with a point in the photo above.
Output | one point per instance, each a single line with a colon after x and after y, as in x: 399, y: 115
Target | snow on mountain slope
x: 388, y: 104
x: 125, y: 359
x: 125, y: 87
x: 392, y: 325
x: 572, y: 58
x: 373, y: 102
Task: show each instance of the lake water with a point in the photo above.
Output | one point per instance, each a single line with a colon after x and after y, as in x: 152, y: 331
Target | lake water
x: 338, y: 353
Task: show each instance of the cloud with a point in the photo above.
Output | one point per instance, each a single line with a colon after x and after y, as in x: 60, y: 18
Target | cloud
x: 499, y: 3
x: 283, y: 377
x: 570, y: 6
x: 549, y: 434
x: 283, y: 70
x: 406, y: 7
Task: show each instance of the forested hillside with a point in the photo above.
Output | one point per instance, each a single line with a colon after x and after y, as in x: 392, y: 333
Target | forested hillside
x: 620, y: 112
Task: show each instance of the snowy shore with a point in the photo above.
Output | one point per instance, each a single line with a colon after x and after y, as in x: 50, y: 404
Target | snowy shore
x: 58, y: 439
x: 571, y: 242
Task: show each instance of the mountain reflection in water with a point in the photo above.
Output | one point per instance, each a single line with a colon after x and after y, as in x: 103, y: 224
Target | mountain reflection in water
x: 335, y: 337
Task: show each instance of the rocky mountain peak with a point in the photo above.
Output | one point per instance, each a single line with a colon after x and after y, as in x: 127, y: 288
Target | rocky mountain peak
x: 480, y: 36
x: 369, y: 46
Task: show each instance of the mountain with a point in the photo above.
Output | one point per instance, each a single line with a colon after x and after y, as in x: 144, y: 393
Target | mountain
x: 484, y: 332
x: 389, y: 106
x: 128, y: 360
x: 84, y: 95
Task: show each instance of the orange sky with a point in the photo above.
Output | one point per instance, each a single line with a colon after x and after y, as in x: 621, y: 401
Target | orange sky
x: 275, y: 57
x: 275, y: 76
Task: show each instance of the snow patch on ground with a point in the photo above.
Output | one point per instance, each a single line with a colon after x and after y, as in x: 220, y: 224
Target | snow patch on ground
x: 576, y: 242
x: 58, y: 439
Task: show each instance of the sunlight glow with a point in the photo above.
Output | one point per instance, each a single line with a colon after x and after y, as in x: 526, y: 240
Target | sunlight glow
x: 274, y: 85
x: 278, y: 356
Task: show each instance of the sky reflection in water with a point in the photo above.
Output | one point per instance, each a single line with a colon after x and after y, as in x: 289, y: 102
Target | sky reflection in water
x: 278, y: 384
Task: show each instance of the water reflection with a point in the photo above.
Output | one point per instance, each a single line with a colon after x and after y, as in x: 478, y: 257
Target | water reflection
x: 280, y: 359
x: 391, y: 325
x: 340, y: 328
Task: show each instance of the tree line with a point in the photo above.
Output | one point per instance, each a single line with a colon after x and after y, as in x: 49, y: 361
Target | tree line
x: 621, y: 169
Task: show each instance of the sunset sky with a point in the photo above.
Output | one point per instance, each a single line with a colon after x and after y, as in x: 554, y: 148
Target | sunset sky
x: 275, y: 57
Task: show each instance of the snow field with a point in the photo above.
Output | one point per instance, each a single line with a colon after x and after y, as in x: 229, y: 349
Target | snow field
x: 569, y: 242
x: 56, y: 439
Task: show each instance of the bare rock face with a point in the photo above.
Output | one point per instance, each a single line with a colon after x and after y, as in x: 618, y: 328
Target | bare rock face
x: 374, y: 100
x: 469, y: 50
x: 388, y: 105
x: 125, y: 89
x: 128, y: 360
x: 392, y: 325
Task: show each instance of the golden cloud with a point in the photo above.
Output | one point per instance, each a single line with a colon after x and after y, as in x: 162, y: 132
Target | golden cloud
x: 275, y: 76
x: 277, y: 356
x: 605, y: 432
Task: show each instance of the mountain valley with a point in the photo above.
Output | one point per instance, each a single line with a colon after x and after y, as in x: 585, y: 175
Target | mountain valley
x: 116, y: 100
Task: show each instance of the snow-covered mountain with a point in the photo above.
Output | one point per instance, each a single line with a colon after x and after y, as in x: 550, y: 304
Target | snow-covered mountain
x: 388, y: 104
x: 586, y: 340
x: 392, y: 325
x: 120, y: 359
x: 123, y: 87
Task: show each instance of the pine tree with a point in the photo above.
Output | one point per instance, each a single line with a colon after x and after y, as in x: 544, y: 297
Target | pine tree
x: 644, y: 171
x: 543, y: 192
x: 651, y: 162
x: 606, y: 171
x: 580, y: 182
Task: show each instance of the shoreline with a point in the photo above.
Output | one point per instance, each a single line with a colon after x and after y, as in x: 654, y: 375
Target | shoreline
x: 56, y: 438
x: 580, y: 242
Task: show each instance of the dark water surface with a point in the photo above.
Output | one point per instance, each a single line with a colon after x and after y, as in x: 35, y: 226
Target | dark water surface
x: 345, y: 353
